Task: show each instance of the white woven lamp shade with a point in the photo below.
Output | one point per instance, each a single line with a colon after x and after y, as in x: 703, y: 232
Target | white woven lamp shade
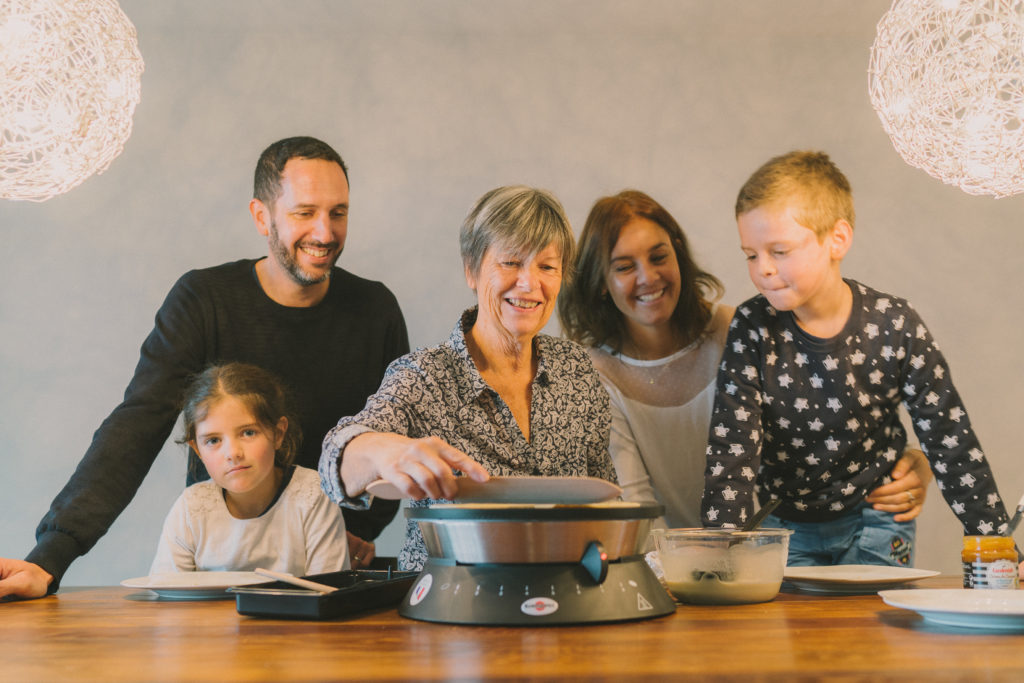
x: 947, y: 80
x: 71, y: 73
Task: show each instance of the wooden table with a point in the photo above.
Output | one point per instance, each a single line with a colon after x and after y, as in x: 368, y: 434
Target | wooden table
x: 120, y: 634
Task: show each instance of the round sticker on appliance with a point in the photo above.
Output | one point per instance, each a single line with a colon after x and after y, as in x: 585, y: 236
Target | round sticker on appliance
x: 421, y: 589
x: 539, y: 607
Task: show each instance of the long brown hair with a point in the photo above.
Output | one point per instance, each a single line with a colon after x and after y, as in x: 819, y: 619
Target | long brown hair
x: 588, y: 315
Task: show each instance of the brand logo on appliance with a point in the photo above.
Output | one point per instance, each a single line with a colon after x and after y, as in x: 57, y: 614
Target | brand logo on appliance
x: 421, y: 589
x: 539, y: 607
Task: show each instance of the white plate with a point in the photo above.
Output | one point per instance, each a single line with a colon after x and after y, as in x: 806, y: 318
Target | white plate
x: 994, y: 610
x: 194, y: 585
x: 850, y: 579
x: 533, y: 490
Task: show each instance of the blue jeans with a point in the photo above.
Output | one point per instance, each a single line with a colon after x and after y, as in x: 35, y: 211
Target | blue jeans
x: 861, y: 536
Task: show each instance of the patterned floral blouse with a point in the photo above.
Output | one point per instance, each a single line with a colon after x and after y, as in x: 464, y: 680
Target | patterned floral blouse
x: 439, y: 392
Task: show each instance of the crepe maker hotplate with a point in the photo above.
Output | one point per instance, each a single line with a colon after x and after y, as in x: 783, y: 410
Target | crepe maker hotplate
x: 584, y: 565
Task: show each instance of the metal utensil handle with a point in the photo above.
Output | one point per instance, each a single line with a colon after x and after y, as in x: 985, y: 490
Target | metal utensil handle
x: 759, y: 516
x: 1015, y: 520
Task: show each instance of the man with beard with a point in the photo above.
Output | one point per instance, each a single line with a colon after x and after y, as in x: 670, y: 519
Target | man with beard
x: 326, y: 333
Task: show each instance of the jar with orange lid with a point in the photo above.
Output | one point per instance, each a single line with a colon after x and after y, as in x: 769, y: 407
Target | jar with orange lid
x: 989, y: 562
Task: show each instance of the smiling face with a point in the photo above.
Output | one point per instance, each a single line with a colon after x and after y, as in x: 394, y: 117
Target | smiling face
x: 238, y: 452
x: 516, y: 294
x: 307, y: 224
x: 643, y: 277
x: 787, y: 262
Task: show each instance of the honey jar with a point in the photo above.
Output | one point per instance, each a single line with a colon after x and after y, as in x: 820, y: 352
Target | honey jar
x: 989, y: 562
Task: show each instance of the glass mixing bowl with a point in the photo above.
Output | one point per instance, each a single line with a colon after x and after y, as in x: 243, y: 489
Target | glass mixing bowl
x: 722, y: 566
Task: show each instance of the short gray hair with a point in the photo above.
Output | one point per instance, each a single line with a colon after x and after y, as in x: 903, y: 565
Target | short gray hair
x: 523, y: 219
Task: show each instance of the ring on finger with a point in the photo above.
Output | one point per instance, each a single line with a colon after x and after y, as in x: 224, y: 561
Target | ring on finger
x: 910, y: 498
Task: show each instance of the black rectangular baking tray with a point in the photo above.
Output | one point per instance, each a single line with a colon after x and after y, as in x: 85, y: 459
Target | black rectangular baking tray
x: 358, y: 591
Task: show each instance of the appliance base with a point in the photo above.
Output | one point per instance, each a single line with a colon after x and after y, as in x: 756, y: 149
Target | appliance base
x: 535, y: 594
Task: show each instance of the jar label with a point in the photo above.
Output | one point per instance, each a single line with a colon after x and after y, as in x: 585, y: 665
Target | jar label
x: 996, y: 574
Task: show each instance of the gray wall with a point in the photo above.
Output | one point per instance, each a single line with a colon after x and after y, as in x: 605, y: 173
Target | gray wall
x: 431, y: 104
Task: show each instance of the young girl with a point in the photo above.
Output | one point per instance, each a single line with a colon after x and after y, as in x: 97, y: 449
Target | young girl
x: 259, y: 510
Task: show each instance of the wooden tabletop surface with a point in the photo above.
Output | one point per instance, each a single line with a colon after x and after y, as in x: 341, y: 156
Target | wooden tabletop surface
x: 121, y: 634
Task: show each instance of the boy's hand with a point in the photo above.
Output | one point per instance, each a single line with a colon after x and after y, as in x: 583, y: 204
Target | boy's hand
x: 23, y: 579
x: 905, y: 495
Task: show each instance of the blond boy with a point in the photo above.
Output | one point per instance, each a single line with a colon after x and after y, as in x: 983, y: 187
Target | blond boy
x: 811, y: 380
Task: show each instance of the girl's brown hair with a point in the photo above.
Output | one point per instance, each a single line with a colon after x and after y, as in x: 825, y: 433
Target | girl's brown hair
x: 261, y: 393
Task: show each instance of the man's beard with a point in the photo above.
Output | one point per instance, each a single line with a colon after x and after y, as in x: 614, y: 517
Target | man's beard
x: 284, y: 257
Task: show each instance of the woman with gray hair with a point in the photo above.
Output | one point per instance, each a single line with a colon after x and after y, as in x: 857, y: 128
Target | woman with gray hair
x: 498, y: 397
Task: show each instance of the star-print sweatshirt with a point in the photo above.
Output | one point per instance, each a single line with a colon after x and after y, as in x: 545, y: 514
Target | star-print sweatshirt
x: 815, y: 422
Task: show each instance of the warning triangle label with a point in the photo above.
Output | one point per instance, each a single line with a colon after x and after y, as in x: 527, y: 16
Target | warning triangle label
x: 642, y: 604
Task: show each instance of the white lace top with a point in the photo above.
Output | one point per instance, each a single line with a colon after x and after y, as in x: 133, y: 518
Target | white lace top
x: 661, y: 410
x: 302, y: 533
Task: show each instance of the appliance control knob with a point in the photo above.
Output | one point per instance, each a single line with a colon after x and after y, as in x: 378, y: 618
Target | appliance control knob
x: 595, y: 561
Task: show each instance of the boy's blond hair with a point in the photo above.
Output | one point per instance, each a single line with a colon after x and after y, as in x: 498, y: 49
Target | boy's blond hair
x: 806, y: 179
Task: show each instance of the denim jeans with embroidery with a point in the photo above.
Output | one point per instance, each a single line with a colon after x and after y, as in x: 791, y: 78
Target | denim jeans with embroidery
x: 861, y: 536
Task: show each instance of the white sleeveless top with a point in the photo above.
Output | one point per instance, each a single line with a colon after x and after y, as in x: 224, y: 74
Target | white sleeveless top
x: 661, y: 410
